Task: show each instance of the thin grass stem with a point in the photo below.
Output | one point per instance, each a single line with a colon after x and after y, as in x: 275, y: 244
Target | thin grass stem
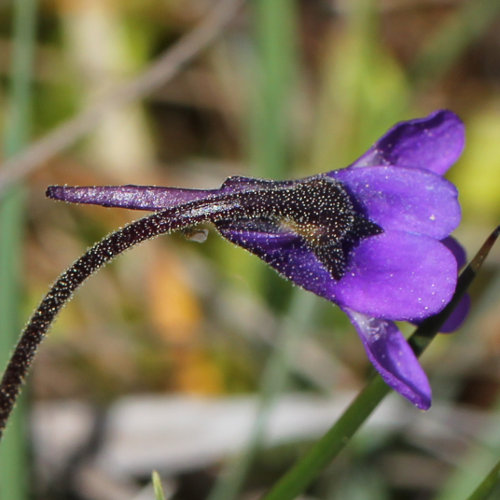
x: 14, y: 470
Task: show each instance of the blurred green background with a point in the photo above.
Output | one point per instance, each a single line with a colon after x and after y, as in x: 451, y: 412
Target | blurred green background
x: 291, y: 88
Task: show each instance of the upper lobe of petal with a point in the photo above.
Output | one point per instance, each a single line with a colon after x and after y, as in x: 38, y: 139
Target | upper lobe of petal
x: 404, y: 199
x: 432, y: 143
x: 398, y: 276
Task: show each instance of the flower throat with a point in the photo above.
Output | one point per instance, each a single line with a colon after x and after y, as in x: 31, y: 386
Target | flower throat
x: 318, y: 209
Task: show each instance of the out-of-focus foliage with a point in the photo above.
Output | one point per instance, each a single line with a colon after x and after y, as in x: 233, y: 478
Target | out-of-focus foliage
x: 173, y: 316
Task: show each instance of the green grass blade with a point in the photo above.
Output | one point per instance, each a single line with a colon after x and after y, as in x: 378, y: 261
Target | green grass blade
x: 470, y: 22
x: 273, y: 81
x: 157, y: 486
x: 14, y: 473
x: 488, y: 485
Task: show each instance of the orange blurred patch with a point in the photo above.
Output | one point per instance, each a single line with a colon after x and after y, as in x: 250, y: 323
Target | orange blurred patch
x: 176, y: 317
x: 174, y: 309
x: 195, y: 372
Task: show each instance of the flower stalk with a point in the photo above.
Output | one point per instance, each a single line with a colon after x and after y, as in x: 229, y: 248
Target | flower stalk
x: 62, y: 291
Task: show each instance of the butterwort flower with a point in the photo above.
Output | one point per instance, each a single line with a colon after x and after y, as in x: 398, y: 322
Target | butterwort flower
x: 373, y: 237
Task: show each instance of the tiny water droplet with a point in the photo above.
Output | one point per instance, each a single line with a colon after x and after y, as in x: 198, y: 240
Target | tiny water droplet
x: 196, y: 234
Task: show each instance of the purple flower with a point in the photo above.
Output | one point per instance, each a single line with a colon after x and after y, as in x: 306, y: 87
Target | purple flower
x: 372, y: 238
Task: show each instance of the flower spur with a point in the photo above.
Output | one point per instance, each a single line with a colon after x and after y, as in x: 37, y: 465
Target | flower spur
x: 372, y: 238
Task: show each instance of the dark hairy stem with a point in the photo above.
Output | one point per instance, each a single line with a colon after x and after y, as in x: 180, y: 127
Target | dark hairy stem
x: 62, y: 290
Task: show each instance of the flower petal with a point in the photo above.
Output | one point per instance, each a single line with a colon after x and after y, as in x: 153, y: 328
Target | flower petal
x: 458, y: 315
x: 404, y: 199
x: 432, y: 143
x: 398, y: 276
x: 457, y: 250
x: 393, y: 358
x: 285, y: 251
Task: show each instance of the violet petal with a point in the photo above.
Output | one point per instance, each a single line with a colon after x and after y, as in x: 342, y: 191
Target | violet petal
x: 398, y: 276
x: 393, y: 358
x: 393, y: 275
x: 404, y: 199
x: 456, y: 318
x: 284, y: 251
x: 456, y: 249
x: 432, y: 143
x: 458, y: 315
